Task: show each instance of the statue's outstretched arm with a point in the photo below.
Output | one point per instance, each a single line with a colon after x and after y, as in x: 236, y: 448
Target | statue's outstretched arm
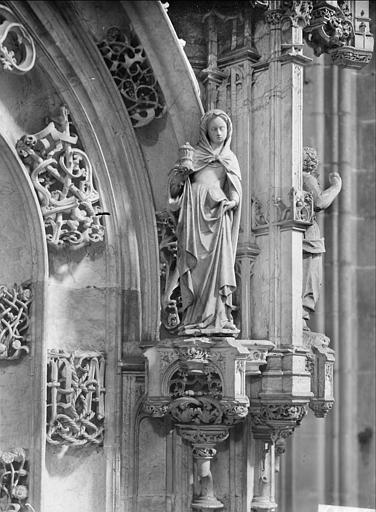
x: 322, y: 198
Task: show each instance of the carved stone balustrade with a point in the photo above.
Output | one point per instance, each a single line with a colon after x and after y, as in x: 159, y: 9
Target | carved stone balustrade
x: 14, y: 320
x: 62, y: 176
x: 17, y: 50
x: 200, y: 383
x: 75, y: 398
x: 14, y: 479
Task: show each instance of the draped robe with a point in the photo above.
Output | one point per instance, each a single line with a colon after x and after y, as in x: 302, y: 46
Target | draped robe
x: 207, y: 238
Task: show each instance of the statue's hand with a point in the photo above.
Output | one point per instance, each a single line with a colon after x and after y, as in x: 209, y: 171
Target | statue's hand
x: 335, y: 179
x: 229, y: 205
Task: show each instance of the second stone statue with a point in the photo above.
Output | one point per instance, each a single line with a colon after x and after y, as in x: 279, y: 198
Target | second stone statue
x: 205, y: 192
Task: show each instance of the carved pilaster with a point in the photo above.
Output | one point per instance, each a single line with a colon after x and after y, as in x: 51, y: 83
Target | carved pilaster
x: 133, y: 75
x: 14, y: 320
x: 75, y: 398
x: 17, y: 50
x: 63, y: 179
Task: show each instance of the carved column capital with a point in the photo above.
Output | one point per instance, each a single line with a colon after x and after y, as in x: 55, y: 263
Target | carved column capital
x: 273, y: 421
x: 297, y: 11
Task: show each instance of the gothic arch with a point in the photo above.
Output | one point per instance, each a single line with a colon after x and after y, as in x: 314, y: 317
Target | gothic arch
x: 24, y: 208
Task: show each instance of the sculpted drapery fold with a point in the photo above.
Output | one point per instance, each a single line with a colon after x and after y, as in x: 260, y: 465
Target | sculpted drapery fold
x: 207, y: 197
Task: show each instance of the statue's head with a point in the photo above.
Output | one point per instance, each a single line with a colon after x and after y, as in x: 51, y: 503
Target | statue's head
x: 216, y: 127
x: 310, y: 160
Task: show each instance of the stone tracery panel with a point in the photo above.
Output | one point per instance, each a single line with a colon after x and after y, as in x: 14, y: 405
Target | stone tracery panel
x: 75, y: 398
x: 14, y: 320
x: 133, y: 75
x: 62, y: 176
x: 17, y: 50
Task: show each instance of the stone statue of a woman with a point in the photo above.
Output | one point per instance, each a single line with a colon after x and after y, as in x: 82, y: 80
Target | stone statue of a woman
x: 205, y: 190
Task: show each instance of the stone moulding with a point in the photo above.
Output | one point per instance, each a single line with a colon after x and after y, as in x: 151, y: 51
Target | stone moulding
x: 17, y: 50
x: 14, y: 479
x: 75, y: 398
x: 62, y: 176
x: 133, y: 76
x: 15, y: 306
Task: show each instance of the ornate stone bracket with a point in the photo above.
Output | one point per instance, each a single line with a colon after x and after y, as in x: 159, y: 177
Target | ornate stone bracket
x: 17, y: 50
x: 63, y: 179
x: 341, y: 29
x: 75, y: 398
x: 299, y: 211
x: 14, y: 320
x: 133, y: 76
x: 14, y: 479
x: 200, y: 384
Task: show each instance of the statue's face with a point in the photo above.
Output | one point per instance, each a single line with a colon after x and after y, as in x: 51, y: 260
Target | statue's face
x: 217, y: 131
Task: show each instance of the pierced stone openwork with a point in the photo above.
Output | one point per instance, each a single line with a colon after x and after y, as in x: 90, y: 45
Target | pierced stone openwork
x: 75, y: 398
x: 62, y: 176
x: 132, y: 73
x: 169, y: 276
x: 17, y: 50
x: 14, y: 476
x: 14, y: 320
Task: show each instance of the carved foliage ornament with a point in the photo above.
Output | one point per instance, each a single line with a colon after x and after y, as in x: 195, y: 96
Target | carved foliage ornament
x: 341, y: 29
x: 331, y: 27
x: 14, y: 475
x: 126, y: 59
x: 14, y: 320
x: 17, y: 50
x: 276, y: 421
x: 75, y: 398
x: 297, y: 11
x: 169, y: 276
x: 63, y: 179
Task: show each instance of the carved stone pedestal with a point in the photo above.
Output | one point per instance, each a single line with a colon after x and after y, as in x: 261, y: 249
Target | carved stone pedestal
x: 200, y: 383
x: 204, y: 440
